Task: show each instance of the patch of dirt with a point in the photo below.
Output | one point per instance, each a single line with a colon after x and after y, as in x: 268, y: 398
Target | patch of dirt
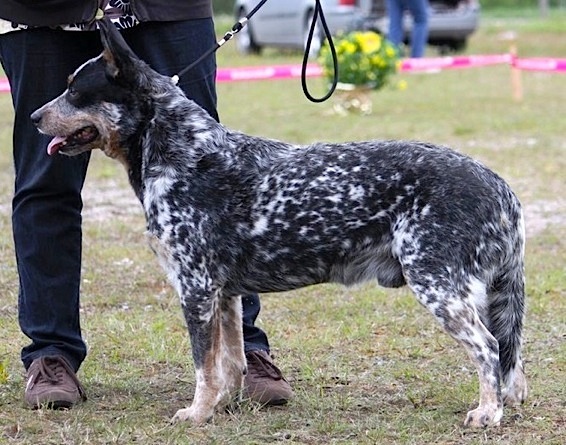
x: 542, y: 214
x: 109, y: 199
x: 103, y: 200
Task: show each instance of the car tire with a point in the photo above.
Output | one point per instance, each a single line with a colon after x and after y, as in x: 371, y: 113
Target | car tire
x: 245, y: 42
x: 452, y: 46
x: 316, y: 43
x: 459, y: 45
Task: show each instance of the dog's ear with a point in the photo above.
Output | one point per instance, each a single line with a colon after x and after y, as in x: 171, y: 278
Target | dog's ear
x: 120, y: 59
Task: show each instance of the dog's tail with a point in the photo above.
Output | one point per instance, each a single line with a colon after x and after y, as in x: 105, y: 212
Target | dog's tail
x: 506, y: 313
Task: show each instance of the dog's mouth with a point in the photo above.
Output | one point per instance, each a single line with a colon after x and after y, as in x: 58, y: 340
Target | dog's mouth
x: 74, y: 143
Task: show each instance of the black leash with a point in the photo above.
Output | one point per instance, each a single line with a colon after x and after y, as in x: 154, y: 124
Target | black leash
x: 235, y: 30
x: 317, y: 11
x: 244, y: 20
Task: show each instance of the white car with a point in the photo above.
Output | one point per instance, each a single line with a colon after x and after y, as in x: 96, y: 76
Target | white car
x: 285, y: 23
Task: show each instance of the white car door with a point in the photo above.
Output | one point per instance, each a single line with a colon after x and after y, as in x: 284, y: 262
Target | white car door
x: 293, y: 15
x: 278, y: 22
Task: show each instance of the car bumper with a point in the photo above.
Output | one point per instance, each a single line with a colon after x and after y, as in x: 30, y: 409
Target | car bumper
x: 453, y: 24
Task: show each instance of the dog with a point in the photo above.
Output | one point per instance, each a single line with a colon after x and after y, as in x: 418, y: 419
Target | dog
x: 230, y: 214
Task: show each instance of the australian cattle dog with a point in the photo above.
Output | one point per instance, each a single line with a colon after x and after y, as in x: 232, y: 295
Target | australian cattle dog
x: 231, y: 214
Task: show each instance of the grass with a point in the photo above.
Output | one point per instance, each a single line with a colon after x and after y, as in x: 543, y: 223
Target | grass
x: 368, y: 366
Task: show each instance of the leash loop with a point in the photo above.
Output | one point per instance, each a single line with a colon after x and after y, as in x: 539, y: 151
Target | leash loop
x: 318, y: 11
x: 238, y: 26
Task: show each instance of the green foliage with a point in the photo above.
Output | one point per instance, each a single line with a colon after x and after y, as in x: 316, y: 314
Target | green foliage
x: 223, y: 6
x: 3, y: 373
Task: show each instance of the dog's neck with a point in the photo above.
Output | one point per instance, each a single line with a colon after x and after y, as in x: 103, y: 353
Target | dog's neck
x: 173, y: 134
x: 134, y: 152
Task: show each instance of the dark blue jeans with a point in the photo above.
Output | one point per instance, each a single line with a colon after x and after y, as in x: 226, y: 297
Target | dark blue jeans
x: 419, y: 13
x: 47, y: 203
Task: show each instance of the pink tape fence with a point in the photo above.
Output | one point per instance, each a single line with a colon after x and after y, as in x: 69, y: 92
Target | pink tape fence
x: 408, y: 65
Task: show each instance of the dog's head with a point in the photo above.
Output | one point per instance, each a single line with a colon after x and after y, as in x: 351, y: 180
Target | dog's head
x: 105, y: 103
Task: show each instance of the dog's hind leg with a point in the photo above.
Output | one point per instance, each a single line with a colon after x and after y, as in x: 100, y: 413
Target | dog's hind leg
x: 457, y: 312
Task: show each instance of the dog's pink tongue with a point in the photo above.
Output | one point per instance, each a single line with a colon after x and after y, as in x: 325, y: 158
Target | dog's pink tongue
x: 54, y: 145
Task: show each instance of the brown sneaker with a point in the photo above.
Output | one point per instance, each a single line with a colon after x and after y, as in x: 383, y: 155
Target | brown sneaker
x: 52, y: 383
x: 264, y: 382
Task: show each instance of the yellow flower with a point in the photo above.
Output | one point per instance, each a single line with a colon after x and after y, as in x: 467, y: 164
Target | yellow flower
x: 349, y: 48
x: 369, y: 42
x: 402, y: 85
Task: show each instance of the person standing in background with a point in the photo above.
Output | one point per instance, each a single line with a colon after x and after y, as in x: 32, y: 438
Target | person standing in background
x: 419, y: 34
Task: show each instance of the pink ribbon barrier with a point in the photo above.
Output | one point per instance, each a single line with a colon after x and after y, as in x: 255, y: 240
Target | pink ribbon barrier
x: 4, y: 85
x: 266, y: 72
x: 439, y: 63
x: 251, y: 73
x: 540, y: 64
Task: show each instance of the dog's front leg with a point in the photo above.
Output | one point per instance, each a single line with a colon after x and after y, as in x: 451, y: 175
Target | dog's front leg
x: 215, y: 328
x: 202, y: 314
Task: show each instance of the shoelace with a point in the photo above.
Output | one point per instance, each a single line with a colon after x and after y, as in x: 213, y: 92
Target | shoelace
x: 53, y: 369
x: 264, y: 367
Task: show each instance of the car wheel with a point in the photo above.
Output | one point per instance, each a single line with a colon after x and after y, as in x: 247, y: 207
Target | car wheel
x: 316, y: 43
x: 452, y: 46
x: 245, y: 42
x: 459, y: 45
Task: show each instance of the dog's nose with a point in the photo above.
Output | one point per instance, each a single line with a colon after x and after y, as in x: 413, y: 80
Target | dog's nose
x: 36, y: 117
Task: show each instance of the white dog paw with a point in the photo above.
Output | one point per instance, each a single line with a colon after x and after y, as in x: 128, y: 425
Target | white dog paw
x: 196, y: 417
x: 484, y: 417
x: 517, y: 394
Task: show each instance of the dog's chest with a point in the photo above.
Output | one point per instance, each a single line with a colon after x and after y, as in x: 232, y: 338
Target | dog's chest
x: 175, y: 231
x: 165, y: 211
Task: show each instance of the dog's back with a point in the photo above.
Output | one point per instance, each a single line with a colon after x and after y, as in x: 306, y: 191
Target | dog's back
x: 323, y: 212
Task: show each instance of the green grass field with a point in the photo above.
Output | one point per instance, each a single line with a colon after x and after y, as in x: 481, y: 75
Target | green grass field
x: 368, y: 365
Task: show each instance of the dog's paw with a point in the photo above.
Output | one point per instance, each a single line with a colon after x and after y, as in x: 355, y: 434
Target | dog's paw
x: 483, y: 417
x: 517, y: 393
x: 196, y: 417
x: 515, y: 398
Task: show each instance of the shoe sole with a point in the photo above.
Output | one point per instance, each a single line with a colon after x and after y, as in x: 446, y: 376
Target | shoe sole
x: 278, y: 402
x: 56, y: 405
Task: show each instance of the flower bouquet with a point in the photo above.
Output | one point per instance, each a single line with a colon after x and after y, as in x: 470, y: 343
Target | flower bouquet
x: 366, y: 61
